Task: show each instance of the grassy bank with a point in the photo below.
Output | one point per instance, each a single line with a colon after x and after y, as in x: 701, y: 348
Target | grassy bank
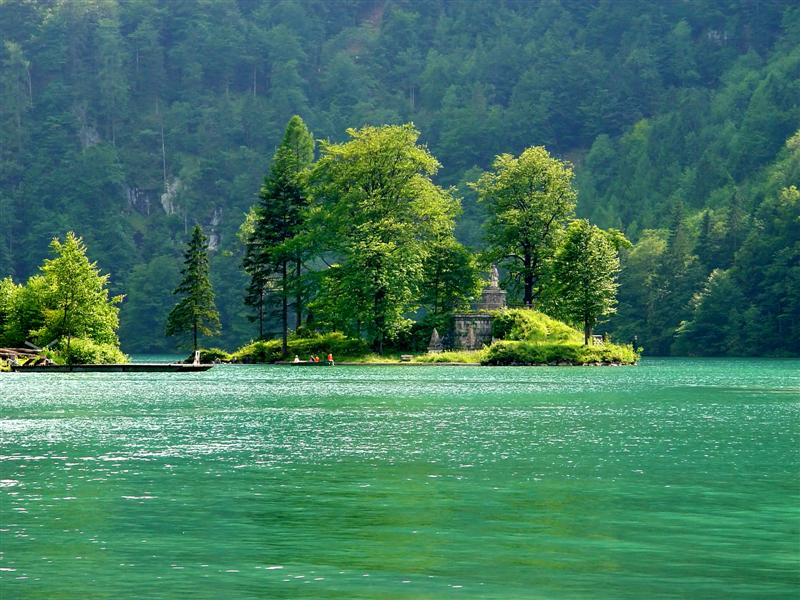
x: 565, y: 353
x: 522, y: 337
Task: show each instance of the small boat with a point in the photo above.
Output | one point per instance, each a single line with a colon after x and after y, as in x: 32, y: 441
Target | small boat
x: 114, y: 368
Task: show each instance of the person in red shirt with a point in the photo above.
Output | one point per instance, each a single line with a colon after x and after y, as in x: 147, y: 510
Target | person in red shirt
x: 330, y: 359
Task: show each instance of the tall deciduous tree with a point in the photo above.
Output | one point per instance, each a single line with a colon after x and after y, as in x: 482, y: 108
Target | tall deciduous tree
x: 76, y: 298
x: 376, y: 211
x: 529, y: 200
x: 586, y: 268
x: 451, y: 280
x: 195, y: 313
x: 278, y: 219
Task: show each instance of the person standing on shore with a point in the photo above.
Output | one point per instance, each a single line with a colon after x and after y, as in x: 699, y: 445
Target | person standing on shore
x: 330, y: 359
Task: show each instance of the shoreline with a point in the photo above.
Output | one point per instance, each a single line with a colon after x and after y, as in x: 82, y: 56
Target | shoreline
x: 443, y: 364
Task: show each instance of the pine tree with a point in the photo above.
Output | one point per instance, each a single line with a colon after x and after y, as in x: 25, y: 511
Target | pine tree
x: 195, y: 312
x: 269, y: 253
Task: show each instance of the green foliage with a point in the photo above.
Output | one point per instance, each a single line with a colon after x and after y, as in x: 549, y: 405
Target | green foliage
x: 88, y: 351
x: 75, y: 298
x: 377, y: 211
x: 126, y: 121
x: 335, y: 342
x: 23, y: 310
x: 542, y: 353
x: 585, y: 273
x: 260, y: 351
x: 521, y: 324
x: 9, y: 299
x: 451, y: 279
x: 529, y: 200
x: 272, y: 261
x: 195, y: 313
x: 210, y: 355
x: 147, y: 304
x: 454, y: 356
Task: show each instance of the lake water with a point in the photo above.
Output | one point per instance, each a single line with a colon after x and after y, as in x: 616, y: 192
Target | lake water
x: 676, y: 478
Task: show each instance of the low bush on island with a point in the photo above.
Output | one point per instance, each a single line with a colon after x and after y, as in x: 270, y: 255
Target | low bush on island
x: 513, y: 352
x: 453, y: 356
x: 210, y: 355
x: 85, y: 351
x: 335, y: 342
x: 523, y: 324
x: 524, y: 337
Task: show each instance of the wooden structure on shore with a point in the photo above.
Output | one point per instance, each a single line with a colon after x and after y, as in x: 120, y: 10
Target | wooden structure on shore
x: 114, y: 368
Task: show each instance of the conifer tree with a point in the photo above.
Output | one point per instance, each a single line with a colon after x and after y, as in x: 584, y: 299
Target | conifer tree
x: 269, y: 253
x: 195, y: 312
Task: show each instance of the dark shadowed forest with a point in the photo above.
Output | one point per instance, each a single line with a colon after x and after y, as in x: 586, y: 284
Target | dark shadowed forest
x: 131, y: 121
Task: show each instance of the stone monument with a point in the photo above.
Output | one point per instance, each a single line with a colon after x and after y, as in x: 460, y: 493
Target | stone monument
x: 492, y: 297
x: 435, y: 345
x: 473, y: 330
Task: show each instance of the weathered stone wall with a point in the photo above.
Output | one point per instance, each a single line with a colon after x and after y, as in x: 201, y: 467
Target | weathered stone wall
x: 481, y: 326
x: 492, y: 299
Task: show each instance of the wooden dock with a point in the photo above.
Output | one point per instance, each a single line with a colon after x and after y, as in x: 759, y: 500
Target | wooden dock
x: 114, y: 368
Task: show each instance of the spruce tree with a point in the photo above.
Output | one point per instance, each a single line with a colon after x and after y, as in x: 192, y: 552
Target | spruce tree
x: 270, y: 256
x: 195, y: 312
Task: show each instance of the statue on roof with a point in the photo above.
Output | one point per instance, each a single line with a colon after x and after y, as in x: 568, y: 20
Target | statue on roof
x: 494, y: 277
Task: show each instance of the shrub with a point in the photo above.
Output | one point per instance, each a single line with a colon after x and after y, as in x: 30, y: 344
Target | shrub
x: 88, y: 352
x: 209, y: 355
x: 268, y: 351
x: 334, y: 342
x: 523, y: 324
x: 262, y: 351
x: 453, y: 356
x: 539, y: 353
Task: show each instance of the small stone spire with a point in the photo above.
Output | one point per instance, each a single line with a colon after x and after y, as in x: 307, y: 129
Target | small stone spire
x: 435, y: 345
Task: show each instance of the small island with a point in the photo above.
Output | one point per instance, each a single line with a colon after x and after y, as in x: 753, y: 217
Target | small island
x: 492, y: 335
x: 355, y: 253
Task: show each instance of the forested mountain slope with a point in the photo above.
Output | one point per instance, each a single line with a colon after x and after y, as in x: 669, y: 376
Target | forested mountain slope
x: 130, y: 121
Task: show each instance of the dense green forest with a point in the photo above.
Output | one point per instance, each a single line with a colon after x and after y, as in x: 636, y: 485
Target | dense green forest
x: 130, y: 122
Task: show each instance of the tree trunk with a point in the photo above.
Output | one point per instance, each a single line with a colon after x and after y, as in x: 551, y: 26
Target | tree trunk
x: 298, y: 299
x: 66, y: 330
x: 528, y: 277
x: 285, y: 310
x: 380, y: 318
x: 261, y: 314
x: 194, y: 334
x: 587, y: 332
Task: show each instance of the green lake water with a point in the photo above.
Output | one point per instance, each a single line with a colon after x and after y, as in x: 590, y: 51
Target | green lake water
x: 675, y: 478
